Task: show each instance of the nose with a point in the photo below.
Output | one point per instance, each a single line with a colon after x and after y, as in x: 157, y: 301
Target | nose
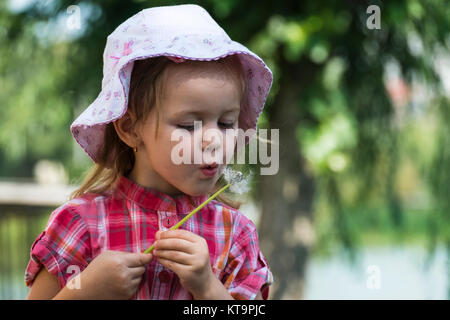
x: 210, y: 143
x: 211, y: 140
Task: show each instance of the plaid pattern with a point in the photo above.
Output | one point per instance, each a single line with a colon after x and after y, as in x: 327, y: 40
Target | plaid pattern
x: 127, y: 220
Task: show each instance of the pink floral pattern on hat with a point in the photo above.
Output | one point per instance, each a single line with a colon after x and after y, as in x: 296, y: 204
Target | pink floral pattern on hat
x: 179, y: 32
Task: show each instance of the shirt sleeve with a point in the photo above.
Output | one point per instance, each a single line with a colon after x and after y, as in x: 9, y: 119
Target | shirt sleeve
x: 62, y: 248
x: 247, y: 271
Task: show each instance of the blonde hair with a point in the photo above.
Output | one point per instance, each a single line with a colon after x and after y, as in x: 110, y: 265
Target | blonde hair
x: 146, y: 89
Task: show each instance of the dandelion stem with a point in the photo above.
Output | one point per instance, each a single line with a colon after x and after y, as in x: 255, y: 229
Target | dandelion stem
x: 191, y: 214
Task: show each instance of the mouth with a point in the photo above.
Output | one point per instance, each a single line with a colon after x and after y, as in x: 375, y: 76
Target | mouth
x: 210, y: 166
x: 209, y: 170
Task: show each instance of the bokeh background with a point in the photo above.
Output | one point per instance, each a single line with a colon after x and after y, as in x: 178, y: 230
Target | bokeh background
x: 360, y: 207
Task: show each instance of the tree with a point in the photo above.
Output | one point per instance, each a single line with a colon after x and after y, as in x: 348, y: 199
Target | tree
x: 331, y: 74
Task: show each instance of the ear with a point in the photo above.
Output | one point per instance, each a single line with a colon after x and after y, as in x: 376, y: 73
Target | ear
x: 126, y: 128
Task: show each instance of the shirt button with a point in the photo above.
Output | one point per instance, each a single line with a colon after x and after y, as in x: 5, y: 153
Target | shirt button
x: 168, y: 222
x: 164, y: 276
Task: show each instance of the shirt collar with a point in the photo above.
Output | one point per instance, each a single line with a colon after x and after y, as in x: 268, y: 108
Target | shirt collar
x: 151, y: 198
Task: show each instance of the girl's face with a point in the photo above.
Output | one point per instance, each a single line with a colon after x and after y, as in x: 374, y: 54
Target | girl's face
x: 209, y: 96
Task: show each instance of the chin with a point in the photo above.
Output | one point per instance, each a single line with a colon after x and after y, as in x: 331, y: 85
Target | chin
x: 200, y: 190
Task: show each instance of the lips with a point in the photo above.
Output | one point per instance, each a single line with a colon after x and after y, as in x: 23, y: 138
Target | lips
x: 209, y: 170
x: 210, y: 166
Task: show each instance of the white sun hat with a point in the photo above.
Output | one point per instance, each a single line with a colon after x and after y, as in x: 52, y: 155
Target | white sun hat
x: 180, y: 32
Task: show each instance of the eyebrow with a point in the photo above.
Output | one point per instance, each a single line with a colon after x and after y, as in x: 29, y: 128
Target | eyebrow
x: 187, y: 112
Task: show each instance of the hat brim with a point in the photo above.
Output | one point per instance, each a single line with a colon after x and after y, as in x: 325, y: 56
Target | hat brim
x: 88, y: 129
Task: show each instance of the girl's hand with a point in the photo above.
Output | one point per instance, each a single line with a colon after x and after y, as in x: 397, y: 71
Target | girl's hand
x: 186, y: 254
x: 114, y: 275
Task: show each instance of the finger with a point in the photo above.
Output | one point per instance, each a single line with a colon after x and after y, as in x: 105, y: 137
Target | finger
x: 139, y: 259
x: 175, y: 244
x: 172, y: 265
x: 135, y: 284
x: 174, y: 255
x: 178, y: 233
x: 136, y: 272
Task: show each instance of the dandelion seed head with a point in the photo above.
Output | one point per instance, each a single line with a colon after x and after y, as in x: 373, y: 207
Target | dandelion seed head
x: 238, y: 183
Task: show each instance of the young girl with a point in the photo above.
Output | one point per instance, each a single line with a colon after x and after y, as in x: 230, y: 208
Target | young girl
x: 164, y: 68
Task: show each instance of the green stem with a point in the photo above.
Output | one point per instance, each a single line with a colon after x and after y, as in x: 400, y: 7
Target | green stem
x: 190, y: 215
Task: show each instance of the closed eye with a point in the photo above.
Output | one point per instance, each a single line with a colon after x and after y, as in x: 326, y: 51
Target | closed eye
x: 189, y: 128
x: 227, y: 125
x: 222, y: 124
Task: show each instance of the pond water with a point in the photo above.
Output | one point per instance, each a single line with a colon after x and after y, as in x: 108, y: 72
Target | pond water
x: 396, y: 272
x: 17, y: 233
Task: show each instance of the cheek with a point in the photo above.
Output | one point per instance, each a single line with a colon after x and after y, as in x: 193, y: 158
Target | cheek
x: 230, y: 145
x: 185, y: 148
x: 166, y: 148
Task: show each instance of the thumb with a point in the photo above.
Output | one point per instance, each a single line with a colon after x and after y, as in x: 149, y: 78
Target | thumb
x: 140, y: 259
x: 146, y: 258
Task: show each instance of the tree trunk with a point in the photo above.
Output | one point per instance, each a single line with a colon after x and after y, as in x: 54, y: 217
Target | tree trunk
x: 286, y: 223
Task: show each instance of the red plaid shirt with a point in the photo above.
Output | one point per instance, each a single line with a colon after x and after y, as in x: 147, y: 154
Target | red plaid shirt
x: 127, y: 220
